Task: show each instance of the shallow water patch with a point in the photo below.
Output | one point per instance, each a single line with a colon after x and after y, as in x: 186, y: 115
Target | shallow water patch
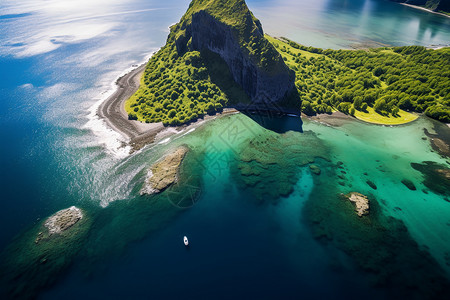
x: 380, y: 245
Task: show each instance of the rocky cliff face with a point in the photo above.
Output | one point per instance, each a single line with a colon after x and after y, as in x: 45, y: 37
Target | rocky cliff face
x: 253, y: 62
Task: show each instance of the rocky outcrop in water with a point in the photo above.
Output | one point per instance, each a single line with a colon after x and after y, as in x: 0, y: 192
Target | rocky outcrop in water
x: 37, y: 257
x: 380, y: 245
x: 165, y: 172
x: 59, y: 223
x: 230, y: 30
x: 361, y: 203
x: 63, y: 220
x: 267, y: 168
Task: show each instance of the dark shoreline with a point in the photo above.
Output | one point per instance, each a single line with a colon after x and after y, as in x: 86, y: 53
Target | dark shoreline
x: 139, y: 134
x: 113, y: 112
x: 440, y: 140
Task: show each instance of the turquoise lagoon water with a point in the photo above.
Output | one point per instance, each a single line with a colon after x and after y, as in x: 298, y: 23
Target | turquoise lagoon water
x: 261, y: 224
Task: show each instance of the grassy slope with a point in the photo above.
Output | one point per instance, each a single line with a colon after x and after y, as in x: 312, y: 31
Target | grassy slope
x: 371, y: 116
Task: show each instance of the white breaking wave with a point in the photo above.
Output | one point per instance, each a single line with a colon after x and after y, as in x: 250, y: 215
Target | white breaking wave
x: 165, y: 141
x: 114, y: 142
x: 189, y: 131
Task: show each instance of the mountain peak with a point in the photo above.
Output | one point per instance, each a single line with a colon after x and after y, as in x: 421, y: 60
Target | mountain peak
x: 228, y: 28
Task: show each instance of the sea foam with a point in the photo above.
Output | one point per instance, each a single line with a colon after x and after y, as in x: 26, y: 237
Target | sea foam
x: 114, y: 142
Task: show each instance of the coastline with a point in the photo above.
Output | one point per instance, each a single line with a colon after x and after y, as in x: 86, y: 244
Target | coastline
x: 425, y: 9
x: 138, y: 134
x: 111, y: 110
x: 338, y: 118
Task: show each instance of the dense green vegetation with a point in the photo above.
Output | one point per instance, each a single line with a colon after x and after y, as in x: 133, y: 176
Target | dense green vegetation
x: 180, y: 84
x: 175, y: 90
x: 377, y: 85
x: 385, y: 79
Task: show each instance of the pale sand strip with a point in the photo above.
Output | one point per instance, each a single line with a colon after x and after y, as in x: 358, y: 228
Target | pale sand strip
x: 425, y: 9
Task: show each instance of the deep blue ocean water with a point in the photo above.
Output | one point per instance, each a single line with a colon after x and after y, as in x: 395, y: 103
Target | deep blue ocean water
x: 58, y: 59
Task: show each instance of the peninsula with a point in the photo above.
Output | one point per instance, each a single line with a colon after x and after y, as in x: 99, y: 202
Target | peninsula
x: 215, y: 57
x: 218, y: 57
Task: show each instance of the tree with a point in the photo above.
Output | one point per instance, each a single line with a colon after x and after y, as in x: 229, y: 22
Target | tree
x: 172, y: 113
x: 395, y: 111
x: 380, y: 105
x: 364, y: 107
x: 307, y: 108
x: 344, y: 107
x: 378, y: 71
x: 174, y: 95
x: 357, y: 103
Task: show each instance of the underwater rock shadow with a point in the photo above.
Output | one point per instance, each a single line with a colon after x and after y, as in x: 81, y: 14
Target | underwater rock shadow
x: 380, y: 246
x: 276, y: 122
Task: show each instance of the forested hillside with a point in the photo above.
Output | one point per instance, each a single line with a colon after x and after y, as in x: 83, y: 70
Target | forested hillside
x: 384, y: 80
x: 215, y: 56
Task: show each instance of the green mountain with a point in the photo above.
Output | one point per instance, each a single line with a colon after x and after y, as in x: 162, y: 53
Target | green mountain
x: 215, y: 56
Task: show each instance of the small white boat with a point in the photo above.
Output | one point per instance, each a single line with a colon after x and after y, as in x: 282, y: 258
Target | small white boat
x: 185, y: 240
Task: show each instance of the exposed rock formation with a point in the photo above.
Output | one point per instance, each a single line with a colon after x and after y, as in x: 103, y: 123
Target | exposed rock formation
x: 229, y: 29
x: 361, y: 203
x: 27, y: 267
x: 445, y: 173
x: 165, y: 172
x: 63, y: 220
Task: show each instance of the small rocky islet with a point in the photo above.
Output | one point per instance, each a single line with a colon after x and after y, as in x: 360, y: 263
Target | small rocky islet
x: 40, y: 254
x: 361, y: 203
x: 59, y: 223
x: 165, y: 172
